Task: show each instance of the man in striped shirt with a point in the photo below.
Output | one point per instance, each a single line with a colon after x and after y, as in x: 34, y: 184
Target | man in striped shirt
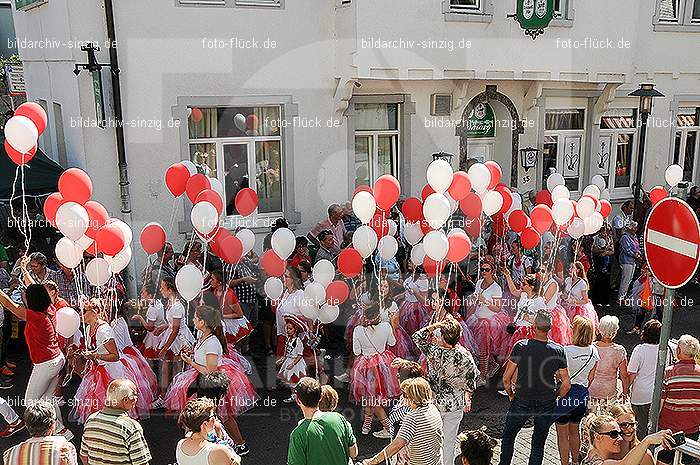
x: 111, y: 436
x: 43, y: 448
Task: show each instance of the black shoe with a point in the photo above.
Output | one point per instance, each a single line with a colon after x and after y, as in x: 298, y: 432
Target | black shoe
x: 5, y: 385
x: 242, y: 449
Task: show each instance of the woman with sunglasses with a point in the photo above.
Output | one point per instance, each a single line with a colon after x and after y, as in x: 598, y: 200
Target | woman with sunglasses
x: 199, y: 418
x: 624, y: 416
x: 528, y: 304
x: 488, y: 324
x: 606, y: 439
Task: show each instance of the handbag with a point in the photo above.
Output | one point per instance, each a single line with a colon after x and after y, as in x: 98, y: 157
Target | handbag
x: 577, y: 395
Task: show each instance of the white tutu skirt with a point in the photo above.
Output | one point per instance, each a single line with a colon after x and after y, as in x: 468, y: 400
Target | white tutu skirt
x: 239, y: 359
x: 145, y: 378
x: 184, y: 339
x: 236, y: 329
x: 292, y: 377
x: 151, y: 346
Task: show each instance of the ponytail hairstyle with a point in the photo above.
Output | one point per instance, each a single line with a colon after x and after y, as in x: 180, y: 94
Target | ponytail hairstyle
x: 212, y: 320
x: 371, y: 315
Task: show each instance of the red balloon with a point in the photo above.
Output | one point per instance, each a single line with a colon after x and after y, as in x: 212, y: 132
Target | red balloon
x: 75, y: 186
x: 471, y: 205
x: 499, y: 224
x: 350, y: 262
x: 432, y: 267
x: 544, y: 197
x: 496, y: 173
x: 98, y: 217
x: 460, y: 247
x: 529, y: 238
x: 379, y: 224
x: 213, y: 197
x: 517, y: 220
x: 176, y: 178
x: 51, y: 205
x: 196, y: 115
x: 412, y: 209
x: 387, y: 191
x: 427, y: 190
x: 460, y: 187
x: 217, y: 240
x: 507, y: 199
x: 231, y: 250
x: 251, y: 122
x: 606, y: 208
x: 195, y: 185
x: 152, y: 238
x: 34, y: 112
x: 473, y: 227
x: 656, y: 194
x: 425, y: 226
x: 246, y: 201
x: 361, y: 188
x: 337, y: 292
x: 272, y: 263
x: 541, y: 217
x: 110, y: 239
x: 18, y: 157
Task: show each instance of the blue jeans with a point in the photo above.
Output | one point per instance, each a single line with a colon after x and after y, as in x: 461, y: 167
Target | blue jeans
x: 519, y: 412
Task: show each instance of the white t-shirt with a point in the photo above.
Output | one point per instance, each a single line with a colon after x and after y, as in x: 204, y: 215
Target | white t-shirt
x: 528, y: 307
x: 370, y: 340
x: 289, y: 304
x: 491, y: 292
x: 551, y: 303
x: 121, y: 334
x: 385, y: 313
x: 580, y: 361
x: 103, y: 334
x: 643, y: 363
x: 156, y: 314
x: 579, y: 291
x: 210, y: 345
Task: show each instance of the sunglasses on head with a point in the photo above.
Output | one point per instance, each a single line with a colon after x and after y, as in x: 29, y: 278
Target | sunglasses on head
x: 614, y: 434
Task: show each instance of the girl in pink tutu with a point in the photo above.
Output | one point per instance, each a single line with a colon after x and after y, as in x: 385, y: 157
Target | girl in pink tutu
x: 561, y: 325
x: 103, y: 364
x: 155, y: 318
x: 413, y: 309
x: 389, y: 313
x: 374, y: 380
x: 175, y: 333
x: 236, y: 325
x: 575, y: 297
x: 489, y: 324
x: 292, y: 366
x: 208, y: 357
x: 528, y: 304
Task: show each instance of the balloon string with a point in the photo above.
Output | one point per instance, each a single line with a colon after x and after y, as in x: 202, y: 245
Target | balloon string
x: 25, y: 211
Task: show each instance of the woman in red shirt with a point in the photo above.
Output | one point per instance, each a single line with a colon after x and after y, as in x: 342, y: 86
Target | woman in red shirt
x: 42, y: 342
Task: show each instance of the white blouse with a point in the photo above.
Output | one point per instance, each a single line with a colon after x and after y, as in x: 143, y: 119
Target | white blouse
x: 103, y: 334
x: 121, y: 334
x: 528, y: 307
x: 371, y: 340
x: 579, y: 291
x: 210, y: 345
x: 492, y: 292
x: 551, y: 303
x: 289, y: 304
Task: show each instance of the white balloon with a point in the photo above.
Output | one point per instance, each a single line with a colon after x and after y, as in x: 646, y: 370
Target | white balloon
x: 585, y: 207
x: 459, y: 231
x: 593, y: 223
x: 413, y: 233
x: 204, y: 218
x: 189, y: 281
x: 673, y: 175
x: 364, y: 240
x: 480, y: 177
x: 21, y: 133
x: 440, y: 175
x: 592, y: 190
x: 67, y: 322
x: 283, y: 242
x: 560, y: 192
x: 436, y: 210
x: 239, y: 121
x: 315, y: 294
x: 191, y: 167
x: 72, y: 220
x: 98, y: 271
x: 517, y: 201
x: 364, y: 206
x: 417, y: 254
x: 577, y: 228
x: 554, y: 180
x: 323, y: 272
x: 273, y: 288
x: 436, y: 245
x: 388, y: 246
x: 84, y: 242
x: 328, y: 314
x: 392, y: 227
x: 598, y: 181
x: 120, y: 260
x: 562, y: 211
x: 125, y: 229
x: 247, y: 238
x: 217, y: 187
x: 492, y: 202
x: 309, y: 309
x: 68, y: 253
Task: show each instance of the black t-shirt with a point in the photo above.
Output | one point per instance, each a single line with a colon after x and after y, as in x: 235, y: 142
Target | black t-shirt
x: 537, y: 364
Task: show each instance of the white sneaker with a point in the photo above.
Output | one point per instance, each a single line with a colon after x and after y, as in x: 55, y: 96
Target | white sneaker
x: 383, y: 434
x: 503, y: 392
x: 344, y: 378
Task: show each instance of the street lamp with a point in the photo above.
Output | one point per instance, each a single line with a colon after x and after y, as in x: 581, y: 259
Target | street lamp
x: 443, y: 156
x: 646, y: 94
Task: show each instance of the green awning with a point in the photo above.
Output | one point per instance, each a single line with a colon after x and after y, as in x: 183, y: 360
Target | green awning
x: 40, y: 175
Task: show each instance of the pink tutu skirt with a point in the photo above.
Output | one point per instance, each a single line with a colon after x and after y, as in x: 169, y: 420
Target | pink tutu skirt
x: 586, y: 310
x: 467, y: 339
x: 521, y: 332
x: 404, y: 347
x: 241, y: 395
x: 493, y: 341
x: 145, y: 378
x: 412, y: 315
x: 236, y: 329
x: 238, y: 359
x: 373, y: 379
x: 561, y: 326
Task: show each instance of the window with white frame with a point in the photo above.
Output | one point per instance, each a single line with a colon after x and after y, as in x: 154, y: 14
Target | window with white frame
x: 468, y: 10
x: 241, y: 147
x: 686, y: 142
x: 678, y: 12
x: 466, y: 6
x: 376, y: 141
x: 258, y: 2
x: 563, y: 145
x: 614, y: 158
x: 561, y: 9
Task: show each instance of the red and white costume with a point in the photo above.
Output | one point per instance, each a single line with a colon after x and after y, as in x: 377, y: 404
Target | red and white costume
x: 145, y: 378
x: 373, y: 378
x: 155, y: 315
x: 561, y: 325
x: 293, y: 348
x: 412, y: 313
x: 579, y: 291
x: 236, y: 329
x: 241, y: 395
x: 526, y: 309
x: 289, y: 304
x: 404, y: 346
x: 184, y: 337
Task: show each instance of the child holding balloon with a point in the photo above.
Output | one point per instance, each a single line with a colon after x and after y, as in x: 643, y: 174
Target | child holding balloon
x: 292, y: 366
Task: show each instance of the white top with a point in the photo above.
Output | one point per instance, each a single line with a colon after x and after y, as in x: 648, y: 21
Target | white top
x: 155, y: 313
x: 491, y: 292
x: 121, y: 334
x: 580, y: 361
x: 210, y: 345
x: 579, y: 291
x: 103, y: 334
x: 551, y: 303
x: 643, y: 363
x: 528, y: 307
x: 371, y: 340
x: 289, y: 304
x: 200, y: 458
x: 385, y: 313
x: 177, y: 311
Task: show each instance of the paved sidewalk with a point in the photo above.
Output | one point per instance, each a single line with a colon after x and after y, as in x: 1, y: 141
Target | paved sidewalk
x: 522, y: 448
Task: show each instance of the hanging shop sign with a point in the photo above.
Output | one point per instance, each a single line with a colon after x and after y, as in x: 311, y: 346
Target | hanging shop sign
x: 534, y: 16
x: 481, y: 122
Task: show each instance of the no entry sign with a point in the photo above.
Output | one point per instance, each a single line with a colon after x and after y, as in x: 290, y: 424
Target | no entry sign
x: 672, y: 242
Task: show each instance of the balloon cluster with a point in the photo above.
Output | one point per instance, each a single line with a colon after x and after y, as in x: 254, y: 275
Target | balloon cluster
x: 23, y: 130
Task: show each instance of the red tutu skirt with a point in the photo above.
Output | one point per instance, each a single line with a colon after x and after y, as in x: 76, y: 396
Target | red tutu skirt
x: 586, y: 310
x: 561, y: 326
x: 146, y: 379
x: 412, y: 315
x: 467, y: 339
x: 237, y: 329
x: 374, y: 381
x: 493, y: 341
x: 150, y: 345
x: 241, y: 395
x: 521, y: 332
x: 238, y: 359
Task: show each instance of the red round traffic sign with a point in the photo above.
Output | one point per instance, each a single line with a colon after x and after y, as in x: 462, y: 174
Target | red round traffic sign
x: 672, y: 242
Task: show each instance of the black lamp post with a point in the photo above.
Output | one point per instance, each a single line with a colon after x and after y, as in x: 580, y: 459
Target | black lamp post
x: 646, y: 94
x: 443, y: 156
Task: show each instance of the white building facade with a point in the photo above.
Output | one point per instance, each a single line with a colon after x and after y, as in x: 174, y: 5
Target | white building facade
x: 302, y: 100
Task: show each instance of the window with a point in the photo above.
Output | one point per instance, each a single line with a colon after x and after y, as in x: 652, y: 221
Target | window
x: 614, y: 158
x: 241, y: 147
x: 376, y: 141
x: 466, y: 5
x: 674, y: 15
x: 258, y: 2
x: 563, y: 145
x: 686, y: 145
x: 468, y: 10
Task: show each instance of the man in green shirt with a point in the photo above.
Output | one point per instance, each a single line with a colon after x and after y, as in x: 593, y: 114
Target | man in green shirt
x: 323, y: 438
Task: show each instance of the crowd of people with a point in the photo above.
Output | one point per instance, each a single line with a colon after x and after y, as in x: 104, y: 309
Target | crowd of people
x: 417, y: 343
